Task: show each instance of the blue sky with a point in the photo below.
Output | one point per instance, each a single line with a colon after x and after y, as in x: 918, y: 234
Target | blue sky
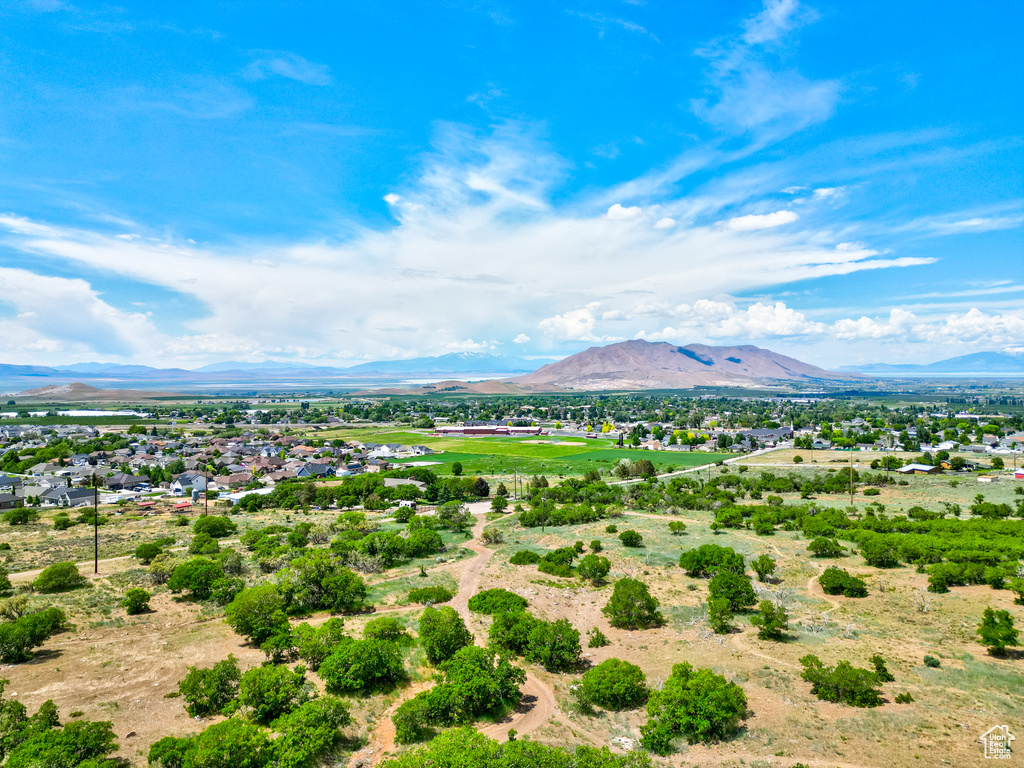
x: 337, y: 182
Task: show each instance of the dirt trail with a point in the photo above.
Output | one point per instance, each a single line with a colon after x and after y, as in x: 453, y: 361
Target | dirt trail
x: 538, y: 700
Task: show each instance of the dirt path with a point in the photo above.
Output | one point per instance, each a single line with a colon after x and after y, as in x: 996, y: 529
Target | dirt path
x: 538, y: 700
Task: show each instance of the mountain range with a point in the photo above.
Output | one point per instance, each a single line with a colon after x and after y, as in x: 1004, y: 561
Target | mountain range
x: 979, y: 364
x: 640, y: 365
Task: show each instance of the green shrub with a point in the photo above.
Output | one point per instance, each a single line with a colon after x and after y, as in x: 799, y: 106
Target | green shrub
x: 196, y: 576
x: 203, y: 544
x: 310, y: 732
x: 611, y: 529
x: 764, y: 566
x: 430, y: 595
x: 593, y: 568
x: 442, y: 633
x: 595, y: 546
x: 881, y: 672
x: 136, y: 601
x: 835, y: 581
x: 931, y: 661
x: 631, y: 539
x: 695, y: 704
x: 771, y: 621
x: 904, y: 698
x: 996, y: 631
x: 386, y: 628
x: 737, y: 589
x: 511, y: 631
x: 215, y: 526
x: 632, y: 606
x: 257, y: 613
x: 555, y: 645
x: 59, y: 577
x: 210, y: 691
x: 720, y: 615
x: 615, y: 684
x: 842, y: 683
x: 823, y: 546
x: 498, y: 600
x: 708, y: 559
x: 363, y: 666
x: 596, y: 638
x: 314, y: 644
x: 145, y: 553
x: 19, y: 637
x: 271, y: 691
x: 524, y: 557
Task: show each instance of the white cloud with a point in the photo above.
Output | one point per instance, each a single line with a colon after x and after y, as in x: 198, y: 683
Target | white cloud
x: 477, y: 249
x: 716, y: 319
x: 750, y: 96
x: 468, y: 345
x: 289, y: 65
x: 777, y: 18
x: 761, y: 221
x: 575, y: 325
x: 665, y: 223
x: 618, y: 213
x: 899, y: 324
x: 976, y: 224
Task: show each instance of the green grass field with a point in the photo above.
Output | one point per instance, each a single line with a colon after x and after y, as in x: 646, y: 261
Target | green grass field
x: 503, y: 456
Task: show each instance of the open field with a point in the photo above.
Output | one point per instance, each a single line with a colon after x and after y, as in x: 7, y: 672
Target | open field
x: 501, y: 456
x: 120, y: 668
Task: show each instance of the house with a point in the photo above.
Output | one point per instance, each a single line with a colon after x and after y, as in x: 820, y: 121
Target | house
x: 186, y: 482
x: 1018, y: 474
x: 122, y: 481
x: 919, y: 469
x: 9, y: 484
x: 9, y: 501
x: 314, y: 470
x: 70, y: 497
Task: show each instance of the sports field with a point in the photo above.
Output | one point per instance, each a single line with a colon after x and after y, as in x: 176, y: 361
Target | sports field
x: 525, y: 455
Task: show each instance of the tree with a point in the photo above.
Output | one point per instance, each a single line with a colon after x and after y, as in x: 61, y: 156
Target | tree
x: 677, y: 528
x: 481, y: 488
x: 309, y: 732
x: 453, y: 515
x: 82, y: 743
x: 136, y: 601
x: 835, y: 581
x: 209, y: 691
x: 632, y: 606
x: 499, y: 504
x: 720, y: 615
x: 997, y: 463
x: 5, y: 581
x: 466, y: 748
x: 695, y: 704
x: 197, y: 576
x: 615, y: 684
x: 457, y: 468
x: 314, y: 644
x: 735, y: 588
x: 881, y: 672
x: 1016, y: 586
x: 442, y: 633
x: 386, y: 628
x: 763, y: 523
x: 555, y: 645
x: 771, y: 621
x: 59, y: 577
x: 20, y: 636
x: 363, y: 666
x: 997, y: 632
x: 257, y: 613
x: 631, y: 539
x: 215, y: 526
x: 825, y: 547
x: 707, y: 559
x: 233, y: 743
x: 271, y: 691
x: 318, y: 581
x: 764, y: 566
x: 593, y: 568
x: 511, y: 631
x: 842, y: 683
x: 145, y: 553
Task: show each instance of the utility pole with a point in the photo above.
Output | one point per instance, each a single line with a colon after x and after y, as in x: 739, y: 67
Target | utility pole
x: 95, y: 523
